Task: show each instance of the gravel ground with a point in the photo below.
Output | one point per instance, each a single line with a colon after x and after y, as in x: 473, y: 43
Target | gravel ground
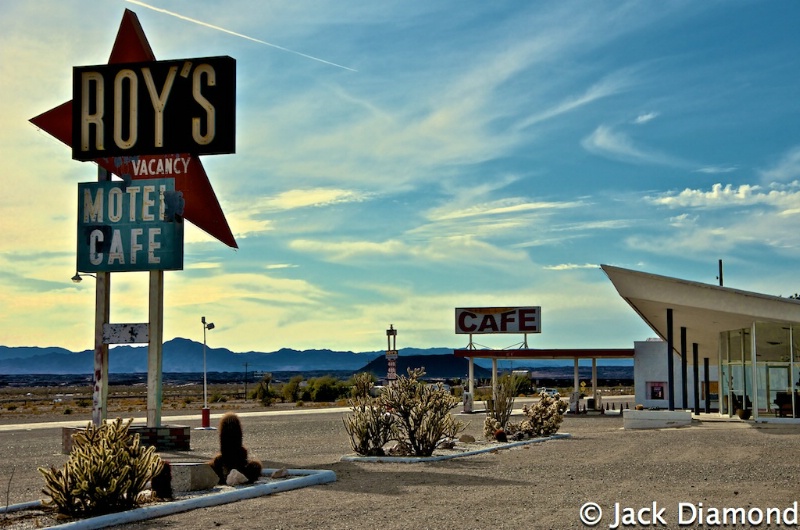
x: 721, y: 464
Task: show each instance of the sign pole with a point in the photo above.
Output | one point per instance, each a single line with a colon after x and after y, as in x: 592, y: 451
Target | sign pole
x: 155, y: 348
x: 101, y: 317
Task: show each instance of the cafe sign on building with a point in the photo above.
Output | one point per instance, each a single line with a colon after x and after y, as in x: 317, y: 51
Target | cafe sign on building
x: 487, y: 320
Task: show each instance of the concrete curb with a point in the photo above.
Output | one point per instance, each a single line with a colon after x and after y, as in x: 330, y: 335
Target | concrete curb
x: 439, y: 458
x: 300, y: 478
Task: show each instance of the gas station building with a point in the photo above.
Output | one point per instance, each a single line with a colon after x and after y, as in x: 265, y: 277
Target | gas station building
x: 718, y: 348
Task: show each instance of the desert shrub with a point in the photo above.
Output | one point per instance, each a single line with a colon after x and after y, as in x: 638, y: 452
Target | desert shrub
x: 326, y: 388
x: 370, y: 426
x: 482, y: 394
x: 415, y: 415
x: 11, y: 407
x: 499, y: 409
x: 361, y: 384
x: 263, y: 391
x: 106, y: 471
x: 422, y: 411
x: 542, y: 418
x: 291, y: 389
x: 524, y: 384
x: 217, y: 397
x: 83, y: 403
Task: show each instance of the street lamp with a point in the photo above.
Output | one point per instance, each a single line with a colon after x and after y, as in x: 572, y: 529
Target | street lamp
x: 206, y: 415
x: 78, y: 278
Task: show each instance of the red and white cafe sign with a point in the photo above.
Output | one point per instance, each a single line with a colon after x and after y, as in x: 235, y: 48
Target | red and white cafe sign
x: 485, y: 320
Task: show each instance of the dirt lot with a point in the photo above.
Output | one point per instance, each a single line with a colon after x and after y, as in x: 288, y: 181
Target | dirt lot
x: 721, y: 464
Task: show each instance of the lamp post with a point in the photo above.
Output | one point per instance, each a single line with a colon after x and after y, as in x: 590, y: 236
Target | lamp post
x: 102, y: 307
x: 206, y: 415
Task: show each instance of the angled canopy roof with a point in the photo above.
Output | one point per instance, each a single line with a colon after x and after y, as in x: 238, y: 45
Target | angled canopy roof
x: 704, y: 310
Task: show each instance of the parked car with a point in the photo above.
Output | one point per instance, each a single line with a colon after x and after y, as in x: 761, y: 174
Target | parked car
x: 552, y: 392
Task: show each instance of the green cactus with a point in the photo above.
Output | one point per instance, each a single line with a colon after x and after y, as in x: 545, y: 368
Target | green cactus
x: 410, y: 412
x: 232, y: 454
x: 370, y: 427
x: 106, y: 471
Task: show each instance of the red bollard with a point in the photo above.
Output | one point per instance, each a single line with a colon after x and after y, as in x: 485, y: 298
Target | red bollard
x: 205, y: 422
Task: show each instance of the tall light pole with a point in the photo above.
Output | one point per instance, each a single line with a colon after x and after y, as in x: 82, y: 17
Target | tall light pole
x: 206, y: 416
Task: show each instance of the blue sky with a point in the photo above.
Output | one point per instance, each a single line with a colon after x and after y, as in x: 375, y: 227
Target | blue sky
x: 423, y: 156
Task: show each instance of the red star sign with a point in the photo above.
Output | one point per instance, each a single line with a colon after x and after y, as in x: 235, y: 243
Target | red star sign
x: 202, y: 207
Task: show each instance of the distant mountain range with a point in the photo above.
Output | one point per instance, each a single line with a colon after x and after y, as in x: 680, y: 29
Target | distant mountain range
x: 184, y: 355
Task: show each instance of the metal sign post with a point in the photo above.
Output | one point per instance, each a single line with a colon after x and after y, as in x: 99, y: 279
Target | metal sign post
x: 155, y: 348
x: 102, y: 314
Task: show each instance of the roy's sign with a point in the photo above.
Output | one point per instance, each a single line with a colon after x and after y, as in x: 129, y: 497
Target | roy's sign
x: 129, y: 228
x: 156, y: 107
x: 484, y: 320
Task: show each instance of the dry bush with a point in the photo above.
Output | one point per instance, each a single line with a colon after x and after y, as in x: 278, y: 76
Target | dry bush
x: 410, y: 412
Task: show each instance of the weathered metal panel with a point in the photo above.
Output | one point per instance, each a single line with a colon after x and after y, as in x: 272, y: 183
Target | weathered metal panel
x: 125, y: 333
x: 129, y: 227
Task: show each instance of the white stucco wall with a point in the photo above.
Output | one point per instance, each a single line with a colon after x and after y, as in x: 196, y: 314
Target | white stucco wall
x: 650, y: 365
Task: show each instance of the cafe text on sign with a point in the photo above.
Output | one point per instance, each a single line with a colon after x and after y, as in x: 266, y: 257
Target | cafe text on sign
x: 484, y: 320
x: 156, y: 107
x: 129, y: 228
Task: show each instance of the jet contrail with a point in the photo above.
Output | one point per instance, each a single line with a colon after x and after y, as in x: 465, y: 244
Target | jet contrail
x: 160, y: 10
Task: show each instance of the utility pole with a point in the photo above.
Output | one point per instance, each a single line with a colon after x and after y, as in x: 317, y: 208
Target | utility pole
x: 720, y: 273
x: 245, y: 382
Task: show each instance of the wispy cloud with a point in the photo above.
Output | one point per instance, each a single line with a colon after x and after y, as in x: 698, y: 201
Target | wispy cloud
x: 607, y: 142
x: 787, y: 168
x: 277, y: 266
x: 255, y: 215
x: 646, y: 117
x: 609, y: 86
x: 508, y: 206
x: 308, y: 198
x: 571, y: 266
x: 715, y: 170
x: 445, y: 249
